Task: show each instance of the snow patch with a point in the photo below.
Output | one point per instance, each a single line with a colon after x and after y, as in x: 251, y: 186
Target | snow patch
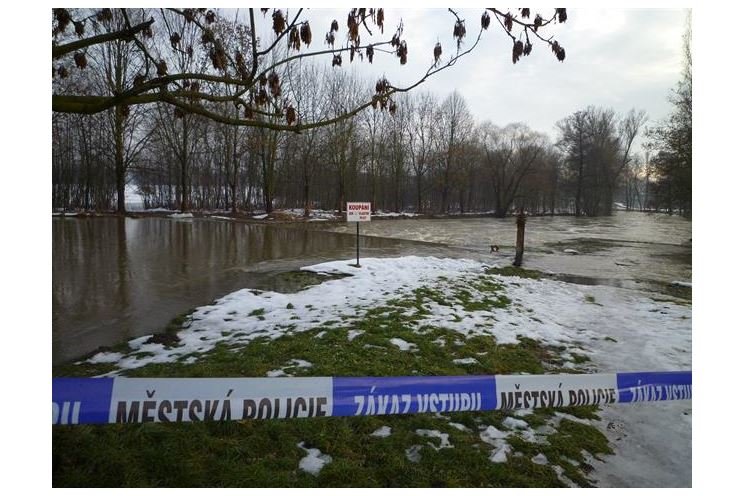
x: 412, y: 453
x: 458, y: 426
x: 105, y: 357
x: 187, y: 215
x: 496, y: 438
x: 384, y: 431
x: 513, y: 423
x: 296, y: 362
x: 403, y: 345
x: 492, y: 435
x: 353, y: 334
x: 444, y: 438
x: 499, y: 455
x: 465, y: 361
x: 277, y: 373
x: 314, y: 461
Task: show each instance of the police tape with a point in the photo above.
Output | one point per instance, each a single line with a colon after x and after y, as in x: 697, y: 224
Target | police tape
x: 135, y: 400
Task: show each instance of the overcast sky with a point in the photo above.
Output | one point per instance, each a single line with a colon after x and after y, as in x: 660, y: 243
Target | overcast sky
x: 621, y: 58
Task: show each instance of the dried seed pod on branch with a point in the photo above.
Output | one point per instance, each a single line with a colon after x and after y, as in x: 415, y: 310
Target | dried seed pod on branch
x: 162, y: 68
x: 293, y: 40
x: 517, y: 51
x: 558, y: 51
x: 278, y: 22
x: 305, y: 35
x: 63, y: 19
x: 274, y: 84
x: 290, y: 115
x: 508, y: 21
x: 459, y: 31
x: 485, y: 20
x: 79, y: 28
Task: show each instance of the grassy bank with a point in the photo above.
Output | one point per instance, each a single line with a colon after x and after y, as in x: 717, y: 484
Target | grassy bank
x: 548, y: 448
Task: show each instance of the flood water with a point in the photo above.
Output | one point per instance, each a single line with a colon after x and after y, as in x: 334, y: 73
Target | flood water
x: 119, y: 278
x: 633, y: 250
x: 115, y: 279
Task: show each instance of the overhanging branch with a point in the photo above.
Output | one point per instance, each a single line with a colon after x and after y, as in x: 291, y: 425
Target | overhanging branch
x: 124, y: 34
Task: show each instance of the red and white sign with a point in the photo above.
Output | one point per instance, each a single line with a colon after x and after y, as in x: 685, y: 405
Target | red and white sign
x: 358, y: 212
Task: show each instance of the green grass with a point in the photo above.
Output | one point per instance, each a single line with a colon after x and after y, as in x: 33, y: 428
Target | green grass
x: 516, y: 271
x: 264, y: 453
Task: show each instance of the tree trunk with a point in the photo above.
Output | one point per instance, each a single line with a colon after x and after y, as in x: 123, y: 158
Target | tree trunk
x: 184, y: 163
x: 119, y: 160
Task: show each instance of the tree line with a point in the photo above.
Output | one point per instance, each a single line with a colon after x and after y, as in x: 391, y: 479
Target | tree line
x: 411, y: 153
x: 429, y: 156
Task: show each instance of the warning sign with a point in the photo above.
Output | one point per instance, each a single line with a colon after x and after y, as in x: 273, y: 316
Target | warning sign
x: 358, y: 212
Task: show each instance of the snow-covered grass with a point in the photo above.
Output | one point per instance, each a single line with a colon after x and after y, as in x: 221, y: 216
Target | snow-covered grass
x: 437, y: 293
x: 406, y: 316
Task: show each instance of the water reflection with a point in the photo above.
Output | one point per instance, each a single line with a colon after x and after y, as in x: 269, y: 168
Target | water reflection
x: 118, y: 278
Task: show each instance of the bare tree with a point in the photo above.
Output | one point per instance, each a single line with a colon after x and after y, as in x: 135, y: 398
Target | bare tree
x: 455, y: 128
x: 253, y: 76
x: 421, y: 130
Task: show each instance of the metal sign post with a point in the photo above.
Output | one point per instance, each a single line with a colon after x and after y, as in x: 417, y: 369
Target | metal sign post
x: 358, y: 244
x: 358, y: 212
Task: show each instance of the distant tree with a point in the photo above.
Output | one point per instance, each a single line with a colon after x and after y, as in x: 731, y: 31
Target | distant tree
x: 421, y: 131
x: 671, y: 143
x: 510, y: 155
x: 454, y: 132
x: 597, y: 147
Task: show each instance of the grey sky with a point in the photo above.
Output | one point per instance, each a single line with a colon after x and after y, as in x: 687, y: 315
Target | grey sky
x: 621, y: 58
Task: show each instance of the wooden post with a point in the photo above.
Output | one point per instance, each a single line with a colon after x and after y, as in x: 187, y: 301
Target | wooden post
x: 520, y: 245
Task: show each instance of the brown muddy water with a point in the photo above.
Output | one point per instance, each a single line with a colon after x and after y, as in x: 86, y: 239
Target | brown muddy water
x: 118, y: 278
x: 632, y: 250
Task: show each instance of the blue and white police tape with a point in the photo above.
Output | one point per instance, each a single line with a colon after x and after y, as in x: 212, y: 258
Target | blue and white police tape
x: 134, y: 400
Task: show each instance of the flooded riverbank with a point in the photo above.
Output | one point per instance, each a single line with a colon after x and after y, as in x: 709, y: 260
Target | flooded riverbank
x: 632, y: 250
x: 116, y: 278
